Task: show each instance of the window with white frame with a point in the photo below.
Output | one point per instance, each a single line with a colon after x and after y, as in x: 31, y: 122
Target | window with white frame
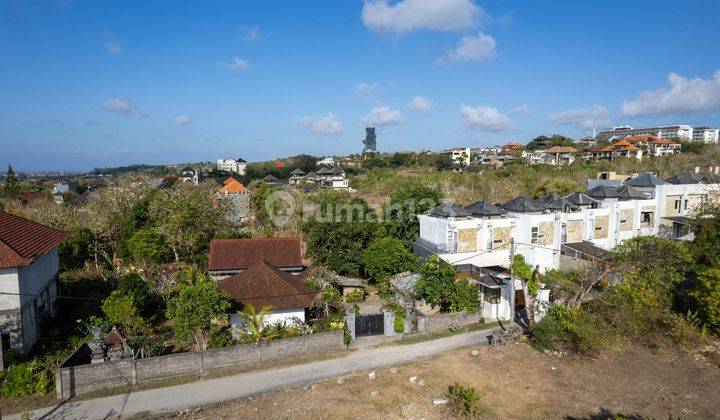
x: 534, y: 235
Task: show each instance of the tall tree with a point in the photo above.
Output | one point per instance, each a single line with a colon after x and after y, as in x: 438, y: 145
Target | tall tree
x: 194, y: 308
x: 11, y: 188
x: 401, y: 211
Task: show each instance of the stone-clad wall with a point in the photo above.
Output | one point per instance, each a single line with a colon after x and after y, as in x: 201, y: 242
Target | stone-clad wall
x: 441, y: 322
x: 82, y: 379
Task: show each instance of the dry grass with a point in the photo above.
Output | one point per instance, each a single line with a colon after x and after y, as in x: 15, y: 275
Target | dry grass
x: 514, y: 382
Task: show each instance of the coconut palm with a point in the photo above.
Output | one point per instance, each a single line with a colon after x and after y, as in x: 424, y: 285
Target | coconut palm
x: 254, y: 323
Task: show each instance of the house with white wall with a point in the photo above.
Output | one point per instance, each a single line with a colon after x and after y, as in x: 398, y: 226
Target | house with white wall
x: 597, y: 219
x: 232, y: 165
x: 28, y: 279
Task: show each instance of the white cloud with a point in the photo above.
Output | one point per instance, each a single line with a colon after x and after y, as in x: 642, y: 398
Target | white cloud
x: 421, y: 104
x: 236, y: 63
x: 583, y: 118
x: 113, y: 47
x: 382, y: 115
x: 683, y: 96
x: 523, y: 110
x: 471, y: 48
x: 250, y: 34
x: 409, y: 15
x: 363, y: 88
x: 485, y: 118
x: 118, y: 105
x: 328, y: 124
x: 181, y: 120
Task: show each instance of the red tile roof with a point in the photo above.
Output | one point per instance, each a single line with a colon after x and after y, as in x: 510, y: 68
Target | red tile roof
x: 22, y: 240
x: 26, y: 197
x: 262, y: 285
x: 239, y: 254
x: 561, y: 149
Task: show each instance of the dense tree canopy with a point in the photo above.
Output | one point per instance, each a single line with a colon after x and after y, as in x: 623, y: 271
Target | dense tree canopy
x: 404, y: 206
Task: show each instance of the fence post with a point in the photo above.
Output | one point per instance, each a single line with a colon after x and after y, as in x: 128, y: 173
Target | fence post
x: 388, y: 323
x: 350, y: 320
x: 134, y: 372
x: 58, y: 384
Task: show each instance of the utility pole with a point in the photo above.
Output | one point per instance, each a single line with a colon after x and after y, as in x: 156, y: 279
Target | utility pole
x: 512, y: 282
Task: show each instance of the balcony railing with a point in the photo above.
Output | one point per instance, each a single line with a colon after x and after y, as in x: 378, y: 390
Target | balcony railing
x: 447, y: 248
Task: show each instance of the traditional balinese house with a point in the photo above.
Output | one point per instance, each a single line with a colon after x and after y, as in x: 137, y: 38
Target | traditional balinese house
x: 232, y: 256
x: 264, y: 286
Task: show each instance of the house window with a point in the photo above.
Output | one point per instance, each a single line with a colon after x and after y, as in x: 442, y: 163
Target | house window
x: 533, y: 235
x: 678, y: 205
x: 646, y: 217
x: 490, y: 238
x: 686, y: 204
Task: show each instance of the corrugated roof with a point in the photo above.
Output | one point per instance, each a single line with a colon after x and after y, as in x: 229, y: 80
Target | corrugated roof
x: 262, y: 285
x: 239, y: 254
x: 22, y: 240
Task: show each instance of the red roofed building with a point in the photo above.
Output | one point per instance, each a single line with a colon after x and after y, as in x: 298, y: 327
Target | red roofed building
x: 262, y: 285
x: 232, y: 256
x: 28, y: 279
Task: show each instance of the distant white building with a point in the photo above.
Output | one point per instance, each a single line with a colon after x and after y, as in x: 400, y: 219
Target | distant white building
x: 679, y: 131
x: 459, y: 155
x: 326, y: 161
x: 233, y: 165
x: 190, y: 175
x: 706, y: 134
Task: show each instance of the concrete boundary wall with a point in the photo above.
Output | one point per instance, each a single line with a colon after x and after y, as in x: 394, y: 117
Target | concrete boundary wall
x: 81, y: 379
x: 441, y: 322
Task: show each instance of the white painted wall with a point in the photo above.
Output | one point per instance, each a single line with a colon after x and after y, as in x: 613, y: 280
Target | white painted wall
x: 287, y: 316
x: 9, y: 284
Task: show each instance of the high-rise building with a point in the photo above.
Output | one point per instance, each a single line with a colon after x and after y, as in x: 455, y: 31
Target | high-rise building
x: 680, y: 131
x: 370, y: 142
x: 706, y: 134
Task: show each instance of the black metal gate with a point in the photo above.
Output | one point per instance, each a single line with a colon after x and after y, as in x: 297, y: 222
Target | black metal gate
x: 369, y: 324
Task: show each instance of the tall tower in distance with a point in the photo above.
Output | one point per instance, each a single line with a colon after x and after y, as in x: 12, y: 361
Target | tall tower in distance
x: 370, y: 142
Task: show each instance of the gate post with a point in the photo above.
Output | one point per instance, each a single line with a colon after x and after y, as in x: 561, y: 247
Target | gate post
x: 350, y: 321
x: 388, y: 323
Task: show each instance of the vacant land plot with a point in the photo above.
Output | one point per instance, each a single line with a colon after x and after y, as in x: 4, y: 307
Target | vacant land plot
x: 514, y: 382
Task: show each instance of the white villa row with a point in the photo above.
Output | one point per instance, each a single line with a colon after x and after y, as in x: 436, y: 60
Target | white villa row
x: 553, y: 231
x: 604, y: 216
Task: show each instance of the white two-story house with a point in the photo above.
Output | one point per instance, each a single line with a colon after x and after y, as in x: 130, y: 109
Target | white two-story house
x: 28, y: 275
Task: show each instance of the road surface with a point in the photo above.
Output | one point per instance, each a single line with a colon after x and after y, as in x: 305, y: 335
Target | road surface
x: 203, y: 392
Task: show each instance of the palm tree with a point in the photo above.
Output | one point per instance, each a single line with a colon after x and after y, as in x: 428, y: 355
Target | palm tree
x: 190, y: 276
x: 254, y: 321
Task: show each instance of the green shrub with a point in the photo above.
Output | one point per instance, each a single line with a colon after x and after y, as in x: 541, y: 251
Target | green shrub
x: 707, y: 298
x: 567, y: 328
x: 354, y: 296
x: 26, y: 379
x: 464, y: 401
x: 399, y: 323
x: 219, y: 337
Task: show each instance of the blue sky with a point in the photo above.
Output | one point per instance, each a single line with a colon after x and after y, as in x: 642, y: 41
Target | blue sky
x: 95, y: 83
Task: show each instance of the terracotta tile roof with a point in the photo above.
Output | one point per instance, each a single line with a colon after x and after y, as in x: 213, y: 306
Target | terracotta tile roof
x: 561, y: 149
x: 26, y: 197
x: 229, y: 181
x: 232, y: 187
x: 239, y: 254
x: 262, y: 285
x: 663, y: 141
x: 22, y: 240
x: 640, y: 138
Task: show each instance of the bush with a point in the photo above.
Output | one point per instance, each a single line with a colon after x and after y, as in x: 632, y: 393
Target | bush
x: 26, y: 379
x: 219, y: 337
x: 707, y: 298
x: 354, y: 296
x: 464, y: 401
x: 399, y: 323
x: 568, y: 329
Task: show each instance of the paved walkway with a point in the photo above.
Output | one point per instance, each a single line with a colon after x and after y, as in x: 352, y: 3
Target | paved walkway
x: 203, y: 392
